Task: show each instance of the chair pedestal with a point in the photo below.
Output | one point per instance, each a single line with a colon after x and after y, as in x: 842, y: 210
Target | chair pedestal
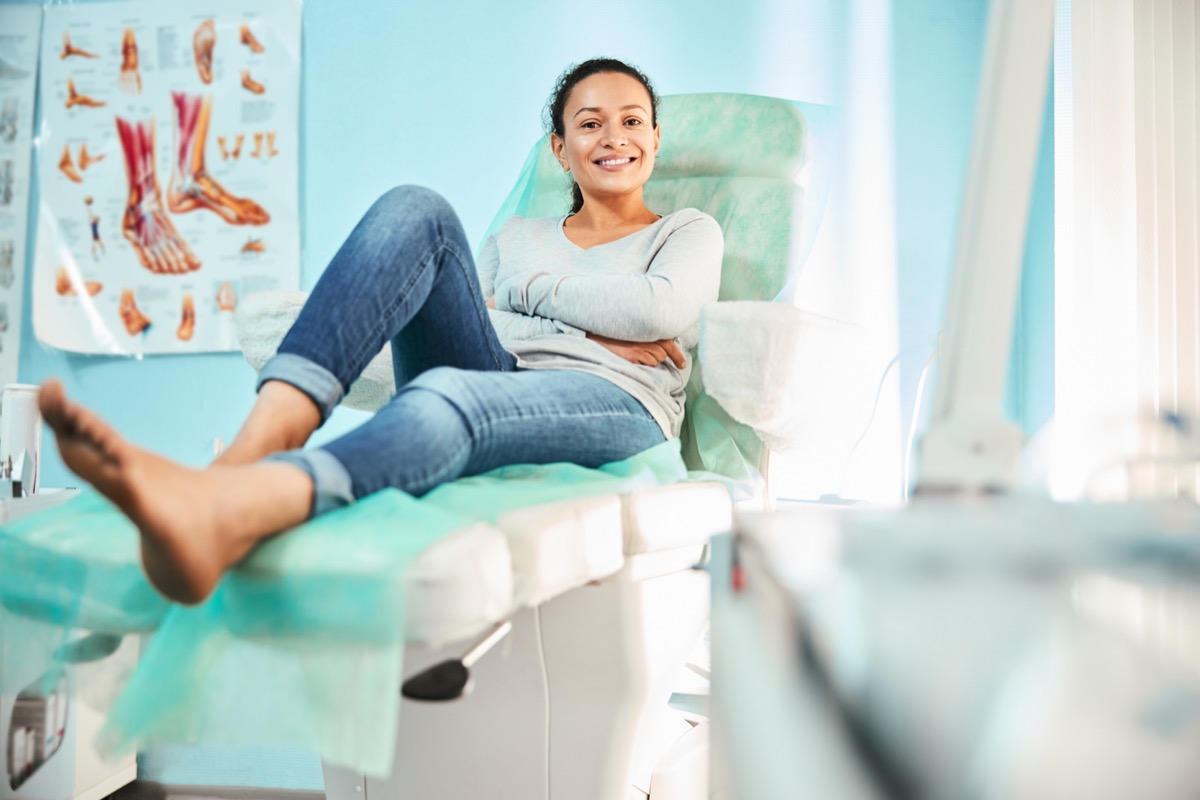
x: 569, y: 707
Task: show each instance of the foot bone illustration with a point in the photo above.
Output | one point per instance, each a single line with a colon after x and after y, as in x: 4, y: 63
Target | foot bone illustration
x: 247, y: 38
x: 130, y: 80
x: 86, y: 159
x: 134, y: 320
x: 145, y: 225
x: 74, y: 98
x: 226, y: 297
x: 71, y: 50
x: 251, y: 84
x: 68, y: 166
x: 65, y: 287
x: 191, y: 186
x: 187, y: 324
x: 203, y: 41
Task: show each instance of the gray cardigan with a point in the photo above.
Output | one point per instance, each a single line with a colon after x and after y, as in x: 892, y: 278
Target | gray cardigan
x: 647, y: 286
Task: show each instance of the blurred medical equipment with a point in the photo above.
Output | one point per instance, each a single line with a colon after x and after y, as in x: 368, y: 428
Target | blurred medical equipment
x: 978, y: 643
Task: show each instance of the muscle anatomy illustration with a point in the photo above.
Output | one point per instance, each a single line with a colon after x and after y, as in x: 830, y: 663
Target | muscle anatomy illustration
x: 131, y: 76
x: 71, y: 50
x: 75, y: 98
x: 203, y: 42
x: 145, y: 225
x: 191, y: 186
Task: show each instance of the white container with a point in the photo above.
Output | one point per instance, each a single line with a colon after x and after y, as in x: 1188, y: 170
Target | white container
x: 21, y: 428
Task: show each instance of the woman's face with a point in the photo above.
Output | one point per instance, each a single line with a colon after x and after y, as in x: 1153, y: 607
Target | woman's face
x: 609, y: 142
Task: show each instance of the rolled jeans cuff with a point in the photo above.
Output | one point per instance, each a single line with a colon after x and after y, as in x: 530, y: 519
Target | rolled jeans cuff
x: 332, y: 485
x: 321, y: 386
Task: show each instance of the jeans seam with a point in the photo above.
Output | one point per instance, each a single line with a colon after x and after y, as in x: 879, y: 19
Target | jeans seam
x: 480, y: 305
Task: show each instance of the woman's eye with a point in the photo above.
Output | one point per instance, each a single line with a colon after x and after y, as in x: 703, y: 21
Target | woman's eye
x: 633, y: 121
x: 590, y: 124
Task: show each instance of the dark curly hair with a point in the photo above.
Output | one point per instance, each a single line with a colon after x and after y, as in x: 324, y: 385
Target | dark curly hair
x: 552, y: 117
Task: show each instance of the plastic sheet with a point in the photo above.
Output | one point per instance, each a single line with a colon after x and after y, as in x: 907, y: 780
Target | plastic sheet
x: 301, y: 644
x: 761, y: 167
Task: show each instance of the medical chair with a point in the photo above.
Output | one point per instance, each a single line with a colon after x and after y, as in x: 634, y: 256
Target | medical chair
x: 603, y: 593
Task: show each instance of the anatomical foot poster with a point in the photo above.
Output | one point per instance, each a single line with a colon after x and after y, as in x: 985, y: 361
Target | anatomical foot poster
x: 169, y: 171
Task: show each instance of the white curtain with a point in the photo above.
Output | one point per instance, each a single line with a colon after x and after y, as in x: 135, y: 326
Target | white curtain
x: 1127, y: 308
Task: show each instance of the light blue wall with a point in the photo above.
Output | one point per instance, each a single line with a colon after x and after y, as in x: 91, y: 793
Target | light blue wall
x: 449, y: 95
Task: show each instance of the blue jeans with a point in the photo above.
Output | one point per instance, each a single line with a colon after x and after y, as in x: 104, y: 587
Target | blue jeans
x: 406, y: 276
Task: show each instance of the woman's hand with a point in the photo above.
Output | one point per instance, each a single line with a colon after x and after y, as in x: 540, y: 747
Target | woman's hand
x: 650, y: 354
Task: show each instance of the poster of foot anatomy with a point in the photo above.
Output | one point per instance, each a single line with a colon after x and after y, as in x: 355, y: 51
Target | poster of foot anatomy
x: 169, y: 171
x: 18, y: 77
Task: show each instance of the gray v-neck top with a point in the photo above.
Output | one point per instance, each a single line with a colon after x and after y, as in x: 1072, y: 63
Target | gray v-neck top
x: 646, y: 286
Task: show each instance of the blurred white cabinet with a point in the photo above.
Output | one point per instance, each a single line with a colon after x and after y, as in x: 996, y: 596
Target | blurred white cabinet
x: 46, y: 734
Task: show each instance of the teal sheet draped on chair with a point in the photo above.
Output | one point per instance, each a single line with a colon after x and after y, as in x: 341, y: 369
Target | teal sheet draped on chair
x: 301, y: 644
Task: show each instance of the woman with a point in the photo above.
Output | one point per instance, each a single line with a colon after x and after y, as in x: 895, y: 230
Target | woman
x: 568, y: 343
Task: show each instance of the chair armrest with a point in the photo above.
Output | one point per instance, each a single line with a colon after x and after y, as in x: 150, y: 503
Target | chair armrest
x: 264, y: 318
x: 797, y: 378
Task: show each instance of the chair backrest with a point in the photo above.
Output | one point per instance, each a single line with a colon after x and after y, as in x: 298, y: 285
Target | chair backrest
x: 760, y: 167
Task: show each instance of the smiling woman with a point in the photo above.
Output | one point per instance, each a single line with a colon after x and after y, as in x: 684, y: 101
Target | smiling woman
x: 567, y: 344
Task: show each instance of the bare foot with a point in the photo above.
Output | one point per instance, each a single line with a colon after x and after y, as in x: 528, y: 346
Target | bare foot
x: 254, y: 246
x: 237, y: 146
x: 221, y: 143
x: 251, y: 84
x: 257, y: 151
x: 203, y: 41
x: 249, y: 40
x: 187, y: 325
x: 68, y: 166
x: 134, y: 320
x: 193, y: 524
x: 74, y: 98
x: 271, y: 151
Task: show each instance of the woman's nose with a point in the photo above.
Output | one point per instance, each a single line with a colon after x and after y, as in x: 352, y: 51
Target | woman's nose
x: 614, y: 137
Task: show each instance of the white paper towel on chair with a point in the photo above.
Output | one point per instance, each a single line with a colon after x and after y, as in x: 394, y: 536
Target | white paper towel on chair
x: 265, y: 317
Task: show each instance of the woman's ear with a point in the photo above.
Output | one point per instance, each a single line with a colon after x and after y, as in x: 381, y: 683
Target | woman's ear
x: 558, y: 147
x: 657, y: 135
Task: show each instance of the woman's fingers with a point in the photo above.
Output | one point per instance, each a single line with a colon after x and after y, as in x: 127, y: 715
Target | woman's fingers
x: 671, y: 350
